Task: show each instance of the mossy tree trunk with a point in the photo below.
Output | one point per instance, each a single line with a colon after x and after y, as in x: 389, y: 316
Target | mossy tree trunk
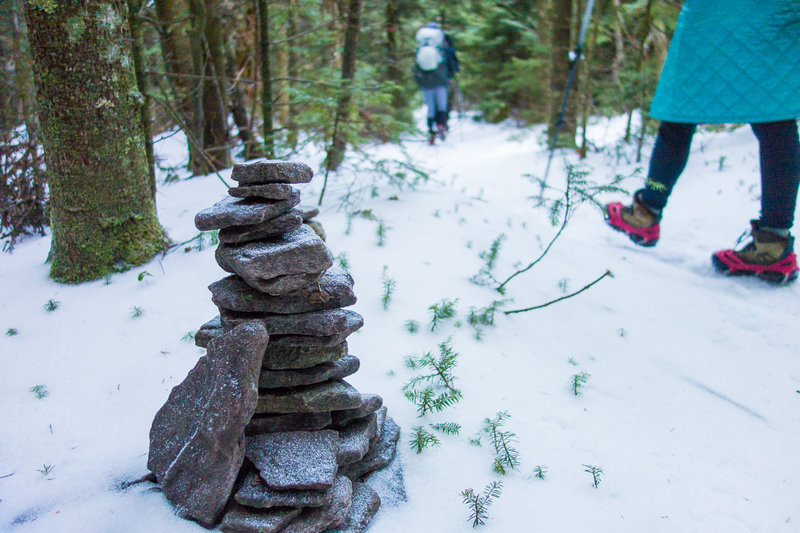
x: 103, y: 214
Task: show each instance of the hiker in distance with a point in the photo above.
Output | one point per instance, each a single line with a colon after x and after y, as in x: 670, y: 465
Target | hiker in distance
x: 729, y: 62
x: 436, y: 63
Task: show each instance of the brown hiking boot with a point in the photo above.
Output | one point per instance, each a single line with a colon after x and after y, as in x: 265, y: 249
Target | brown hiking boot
x: 769, y: 256
x: 638, y: 222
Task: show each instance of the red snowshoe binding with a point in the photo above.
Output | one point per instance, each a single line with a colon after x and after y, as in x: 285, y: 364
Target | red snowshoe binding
x: 769, y: 256
x: 638, y: 222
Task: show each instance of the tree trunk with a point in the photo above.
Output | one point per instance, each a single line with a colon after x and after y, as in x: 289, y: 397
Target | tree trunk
x: 293, y: 61
x: 266, y: 78
x: 186, y: 89
x: 141, y: 81
x: 335, y: 153
x: 561, y: 24
x: 103, y: 215
x: 393, y: 72
x: 216, y: 137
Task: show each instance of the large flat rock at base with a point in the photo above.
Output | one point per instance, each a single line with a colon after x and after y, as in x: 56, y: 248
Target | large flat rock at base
x: 197, y: 437
x: 242, y: 212
x: 353, y: 322
x: 313, y: 324
x: 333, y: 290
x: 294, y: 357
x: 255, y: 493
x: 328, y: 396
x: 366, y: 503
x: 369, y: 404
x: 289, y: 422
x: 271, y: 379
x: 273, y: 227
x: 379, y: 456
x: 240, y: 519
x: 316, y: 520
x: 270, y: 191
x: 298, y: 460
x: 272, y: 171
x: 355, y: 439
x: 262, y: 264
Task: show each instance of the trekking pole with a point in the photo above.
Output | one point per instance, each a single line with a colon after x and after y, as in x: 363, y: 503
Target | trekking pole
x: 573, y: 72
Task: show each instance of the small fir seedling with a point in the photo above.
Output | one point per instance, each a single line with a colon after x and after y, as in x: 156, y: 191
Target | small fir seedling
x: 489, y: 256
x: 479, y: 504
x: 137, y: 311
x: 188, y: 336
x: 476, y: 441
x: 434, y: 390
x: 444, y: 310
x: 412, y: 326
x: 539, y: 471
x: 563, y: 284
x: 144, y: 275
x: 422, y: 438
x: 448, y: 428
x: 388, y: 290
x: 40, y: 391
x: 596, y: 473
x: 506, y: 456
x: 11, y: 332
x: 380, y: 232
x: 51, y: 305
x: 46, y: 469
x: 343, y: 262
x: 578, y: 382
x: 572, y: 361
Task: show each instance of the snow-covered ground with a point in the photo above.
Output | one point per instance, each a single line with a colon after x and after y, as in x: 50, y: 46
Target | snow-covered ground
x: 691, y: 403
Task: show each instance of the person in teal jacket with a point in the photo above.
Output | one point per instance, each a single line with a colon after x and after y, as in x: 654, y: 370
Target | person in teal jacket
x: 729, y: 62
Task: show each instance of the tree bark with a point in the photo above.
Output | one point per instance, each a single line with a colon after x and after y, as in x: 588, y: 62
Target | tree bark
x: 103, y: 215
x: 266, y: 78
x: 335, y: 153
x: 216, y: 138
x: 561, y: 25
x: 141, y: 81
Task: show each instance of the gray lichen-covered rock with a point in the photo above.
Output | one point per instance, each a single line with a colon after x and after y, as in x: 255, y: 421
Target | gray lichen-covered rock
x: 316, y: 225
x: 389, y: 482
x: 272, y: 379
x: 369, y: 404
x: 288, y: 422
x: 353, y: 322
x: 270, y: 191
x: 272, y: 171
x: 240, y: 519
x: 286, y: 357
x: 263, y: 264
x: 242, y: 212
x: 354, y: 440
x: 334, y: 289
x: 208, y: 331
x: 273, y: 227
x: 197, y: 437
x: 366, y: 503
x: 314, y: 324
x: 309, y: 211
x: 255, y: 493
x: 379, y: 456
x: 298, y: 460
x: 328, y: 396
x: 316, y: 520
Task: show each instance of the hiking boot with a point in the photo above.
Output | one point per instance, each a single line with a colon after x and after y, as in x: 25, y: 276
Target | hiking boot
x: 768, y: 256
x: 432, y: 129
x: 637, y: 221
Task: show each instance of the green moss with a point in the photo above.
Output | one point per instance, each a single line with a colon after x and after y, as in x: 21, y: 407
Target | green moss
x: 48, y: 6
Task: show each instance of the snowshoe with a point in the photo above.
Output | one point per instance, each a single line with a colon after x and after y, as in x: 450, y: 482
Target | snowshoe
x: 768, y: 256
x: 638, y: 222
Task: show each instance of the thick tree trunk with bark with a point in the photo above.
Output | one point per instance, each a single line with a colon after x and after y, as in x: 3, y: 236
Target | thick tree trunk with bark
x: 339, y: 141
x: 103, y: 215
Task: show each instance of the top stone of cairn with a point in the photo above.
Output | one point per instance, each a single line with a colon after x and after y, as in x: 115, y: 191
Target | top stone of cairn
x: 272, y: 171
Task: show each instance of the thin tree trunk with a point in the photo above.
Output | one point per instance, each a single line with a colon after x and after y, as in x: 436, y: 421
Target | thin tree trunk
x: 266, y: 78
x: 644, y: 31
x: 141, y: 81
x: 335, y: 153
x: 293, y: 61
x: 215, y: 94
x: 103, y: 215
x: 24, y: 73
x: 561, y: 25
x: 393, y: 72
x: 196, y: 32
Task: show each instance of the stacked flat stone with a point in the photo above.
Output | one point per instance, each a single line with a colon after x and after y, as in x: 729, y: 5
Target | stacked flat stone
x: 312, y: 438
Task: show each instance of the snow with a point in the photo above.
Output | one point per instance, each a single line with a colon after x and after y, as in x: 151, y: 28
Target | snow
x: 690, y: 407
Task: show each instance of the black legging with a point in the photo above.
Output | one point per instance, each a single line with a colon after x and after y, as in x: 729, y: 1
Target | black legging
x: 779, y: 153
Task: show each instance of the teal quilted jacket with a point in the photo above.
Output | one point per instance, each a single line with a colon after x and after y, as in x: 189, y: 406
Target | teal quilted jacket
x: 732, y: 61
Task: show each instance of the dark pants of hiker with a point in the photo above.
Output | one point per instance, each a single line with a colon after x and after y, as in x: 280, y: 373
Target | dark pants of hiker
x: 779, y: 154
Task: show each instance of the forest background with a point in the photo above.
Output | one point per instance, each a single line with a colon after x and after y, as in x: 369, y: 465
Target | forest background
x: 85, y: 87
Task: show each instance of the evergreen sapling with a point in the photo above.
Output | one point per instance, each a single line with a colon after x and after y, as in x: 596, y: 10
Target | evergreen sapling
x: 435, y: 390
x: 422, y: 438
x: 479, y: 504
x: 506, y: 456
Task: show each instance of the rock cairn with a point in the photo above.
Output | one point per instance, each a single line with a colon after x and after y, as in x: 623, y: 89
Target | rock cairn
x: 265, y: 434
